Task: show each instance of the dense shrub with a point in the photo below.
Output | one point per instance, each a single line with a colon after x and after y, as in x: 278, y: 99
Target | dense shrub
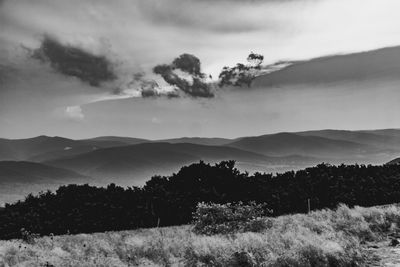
x: 228, y: 218
x: 166, y: 201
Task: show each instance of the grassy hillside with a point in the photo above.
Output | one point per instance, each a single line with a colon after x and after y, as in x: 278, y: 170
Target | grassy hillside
x: 321, y: 238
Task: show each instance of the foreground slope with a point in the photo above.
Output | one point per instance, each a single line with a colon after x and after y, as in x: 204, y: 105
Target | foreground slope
x: 343, y: 237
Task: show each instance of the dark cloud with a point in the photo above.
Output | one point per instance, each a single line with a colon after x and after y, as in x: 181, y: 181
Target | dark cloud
x: 74, y: 61
x: 241, y: 74
x: 147, y: 87
x: 192, y: 83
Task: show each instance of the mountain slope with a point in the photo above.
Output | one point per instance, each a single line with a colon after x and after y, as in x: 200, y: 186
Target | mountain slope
x: 377, y: 64
x: 383, y: 140
x: 283, y: 144
x: 115, y: 140
x: 384, y: 132
x: 199, y: 141
x: 136, y: 163
x: 43, y: 148
x: 18, y: 178
x: 30, y: 172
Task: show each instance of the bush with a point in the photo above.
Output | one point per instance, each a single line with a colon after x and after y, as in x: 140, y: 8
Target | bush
x: 28, y: 237
x: 229, y: 218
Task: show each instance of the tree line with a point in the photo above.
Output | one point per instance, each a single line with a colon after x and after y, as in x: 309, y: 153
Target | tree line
x: 171, y: 200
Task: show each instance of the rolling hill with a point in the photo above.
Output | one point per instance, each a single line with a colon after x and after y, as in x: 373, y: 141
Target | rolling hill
x: 198, y: 141
x: 114, y: 141
x: 384, y: 140
x: 136, y: 163
x: 44, y: 148
x: 19, y: 178
x: 283, y: 144
x: 31, y: 172
x: 131, y: 161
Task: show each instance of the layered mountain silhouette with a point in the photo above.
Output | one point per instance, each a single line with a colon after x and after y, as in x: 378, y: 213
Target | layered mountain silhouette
x: 136, y: 163
x: 45, y: 160
x: 199, y: 141
x: 28, y: 172
x: 282, y: 144
x: 44, y: 147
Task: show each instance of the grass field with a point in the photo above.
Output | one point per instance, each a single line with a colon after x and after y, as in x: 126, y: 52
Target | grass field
x: 321, y: 238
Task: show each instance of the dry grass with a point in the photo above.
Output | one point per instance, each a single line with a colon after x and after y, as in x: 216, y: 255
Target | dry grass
x: 321, y: 238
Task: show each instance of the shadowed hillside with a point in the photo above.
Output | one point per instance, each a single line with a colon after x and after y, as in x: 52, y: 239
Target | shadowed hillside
x: 19, y: 178
x: 45, y: 147
x: 134, y: 164
x: 291, y: 143
x: 199, y: 141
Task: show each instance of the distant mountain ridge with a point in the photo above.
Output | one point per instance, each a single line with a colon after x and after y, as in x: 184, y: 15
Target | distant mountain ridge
x: 143, y: 160
x: 290, y: 143
x: 36, y: 148
x: 317, y: 143
x: 19, y: 178
x: 131, y: 161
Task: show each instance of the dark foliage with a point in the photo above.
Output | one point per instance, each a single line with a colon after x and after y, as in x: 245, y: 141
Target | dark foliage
x: 172, y: 200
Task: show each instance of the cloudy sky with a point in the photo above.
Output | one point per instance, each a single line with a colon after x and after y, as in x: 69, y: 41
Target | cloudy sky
x: 85, y: 68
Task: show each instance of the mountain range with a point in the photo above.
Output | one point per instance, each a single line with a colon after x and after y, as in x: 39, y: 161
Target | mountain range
x: 49, y: 161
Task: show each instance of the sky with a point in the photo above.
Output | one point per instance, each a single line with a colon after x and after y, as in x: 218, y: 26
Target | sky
x: 85, y: 68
